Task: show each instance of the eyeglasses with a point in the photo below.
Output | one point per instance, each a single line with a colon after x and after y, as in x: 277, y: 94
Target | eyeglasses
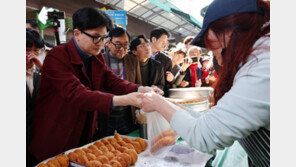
x: 118, y: 46
x: 96, y: 39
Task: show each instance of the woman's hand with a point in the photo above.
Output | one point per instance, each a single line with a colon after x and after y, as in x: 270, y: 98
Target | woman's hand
x: 151, y: 102
x: 154, y: 102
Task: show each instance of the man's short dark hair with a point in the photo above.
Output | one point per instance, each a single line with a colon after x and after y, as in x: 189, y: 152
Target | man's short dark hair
x: 158, y: 32
x: 137, y: 41
x: 118, y: 32
x: 33, y: 38
x: 33, y: 24
x: 89, y: 18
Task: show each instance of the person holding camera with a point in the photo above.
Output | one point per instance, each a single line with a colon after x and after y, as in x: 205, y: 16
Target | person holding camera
x: 209, y: 75
x: 73, y: 78
x: 194, y: 72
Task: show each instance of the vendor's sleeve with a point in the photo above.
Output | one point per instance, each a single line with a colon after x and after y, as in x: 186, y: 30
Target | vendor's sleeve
x: 242, y: 110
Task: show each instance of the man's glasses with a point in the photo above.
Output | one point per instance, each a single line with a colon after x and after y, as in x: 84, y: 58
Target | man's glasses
x: 96, y: 39
x: 118, y: 46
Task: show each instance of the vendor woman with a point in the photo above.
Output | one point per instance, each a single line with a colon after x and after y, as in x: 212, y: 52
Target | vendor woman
x: 237, y: 32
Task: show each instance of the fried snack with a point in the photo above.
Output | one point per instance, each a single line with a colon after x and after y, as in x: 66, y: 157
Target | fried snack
x: 121, y: 161
x: 166, y: 141
x: 112, y: 140
x: 82, y: 159
x: 142, y: 143
x: 115, y: 145
x: 97, y: 152
x: 90, y: 156
x: 130, y: 146
x: 126, y: 157
x: 79, y: 152
x: 137, y: 146
x: 99, y: 144
x: 122, y: 143
x: 103, y: 159
x: 106, y: 165
x: 118, y: 137
x: 115, y: 152
x: 86, y: 150
x: 109, y: 155
x: 115, y: 163
x: 163, y: 134
x: 104, y: 141
x: 63, y: 160
x: 127, y: 139
x: 73, y: 156
x: 42, y: 165
x: 110, y: 147
x: 93, y: 147
x: 94, y: 163
x: 104, y: 149
x: 133, y: 155
x: 122, y: 149
x: 53, y: 163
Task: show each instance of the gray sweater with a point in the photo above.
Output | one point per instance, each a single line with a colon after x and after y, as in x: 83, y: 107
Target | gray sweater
x: 242, y: 111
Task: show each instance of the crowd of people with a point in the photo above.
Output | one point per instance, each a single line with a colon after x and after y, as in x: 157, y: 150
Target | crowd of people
x: 90, y: 87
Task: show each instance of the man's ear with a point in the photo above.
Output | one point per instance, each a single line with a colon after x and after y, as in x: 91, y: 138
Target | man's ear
x: 76, y: 32
x: 135, y: 52
x: 153, y: 39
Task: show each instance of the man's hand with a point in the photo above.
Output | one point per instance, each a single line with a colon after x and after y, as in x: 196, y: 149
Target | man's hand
x: 133, y: 99
x: 169, y: 76
x: 145, y: 89
x: 184, y: 84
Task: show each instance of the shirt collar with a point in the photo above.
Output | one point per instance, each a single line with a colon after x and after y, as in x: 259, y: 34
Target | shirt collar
x: 153, y: 55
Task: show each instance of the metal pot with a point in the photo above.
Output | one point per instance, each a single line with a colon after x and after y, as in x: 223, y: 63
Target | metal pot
x: 199, y: 94
x: 190, y: 93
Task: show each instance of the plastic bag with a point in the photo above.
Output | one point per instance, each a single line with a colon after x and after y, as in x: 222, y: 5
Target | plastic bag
x: 161, y: 137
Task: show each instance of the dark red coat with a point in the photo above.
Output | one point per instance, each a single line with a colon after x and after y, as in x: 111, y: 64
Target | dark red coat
x: 68, y: 103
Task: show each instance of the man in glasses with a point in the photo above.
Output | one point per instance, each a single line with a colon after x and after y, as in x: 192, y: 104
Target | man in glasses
x: 121, y: 118
x: 70, y: 96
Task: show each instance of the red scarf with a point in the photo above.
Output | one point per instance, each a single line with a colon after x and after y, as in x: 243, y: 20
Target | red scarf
x: 193, y: 68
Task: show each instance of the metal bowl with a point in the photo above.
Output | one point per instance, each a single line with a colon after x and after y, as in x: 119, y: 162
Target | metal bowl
x: 190, y: 93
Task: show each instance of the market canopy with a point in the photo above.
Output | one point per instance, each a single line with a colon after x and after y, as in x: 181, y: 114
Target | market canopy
x: 161, y: 13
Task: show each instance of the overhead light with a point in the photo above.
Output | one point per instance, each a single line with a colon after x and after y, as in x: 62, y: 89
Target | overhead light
x: 180, y: 29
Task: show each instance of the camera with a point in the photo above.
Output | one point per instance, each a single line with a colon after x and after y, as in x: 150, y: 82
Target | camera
x: 194, y: 59
x: 55, y: 15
